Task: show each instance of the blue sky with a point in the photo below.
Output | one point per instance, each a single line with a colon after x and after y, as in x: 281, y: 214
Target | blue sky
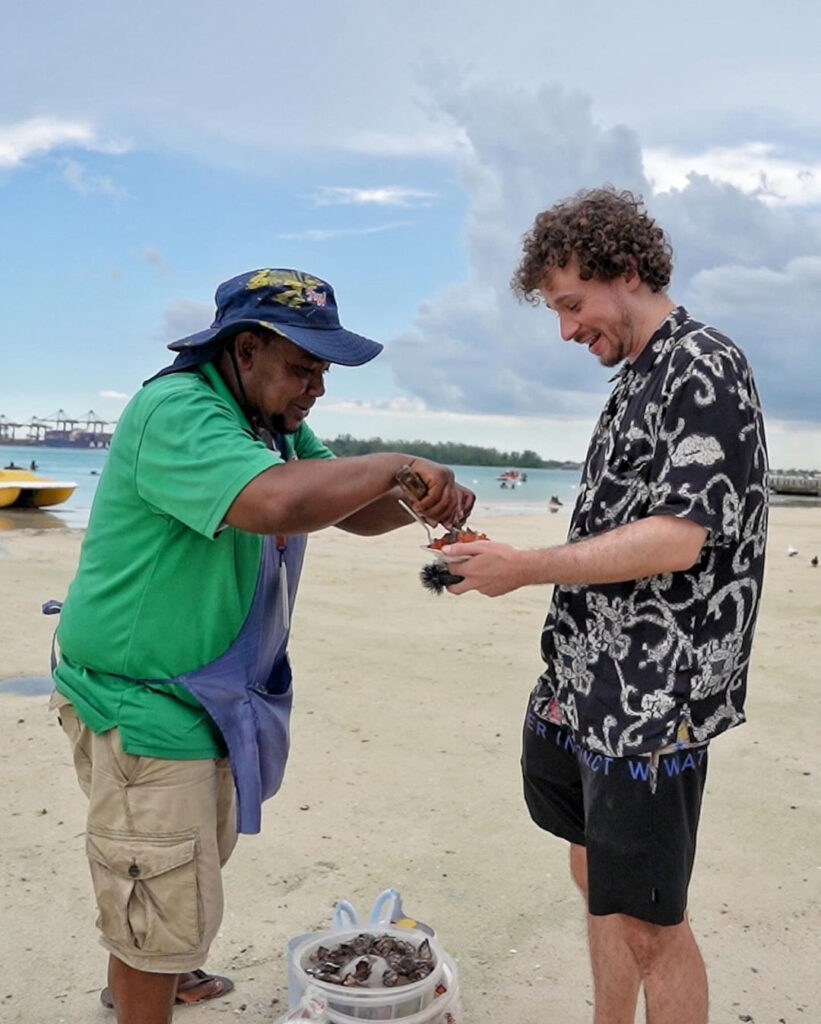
x: 400, y: 151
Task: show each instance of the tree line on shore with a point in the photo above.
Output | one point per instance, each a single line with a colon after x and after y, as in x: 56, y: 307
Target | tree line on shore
x: 452, y: 453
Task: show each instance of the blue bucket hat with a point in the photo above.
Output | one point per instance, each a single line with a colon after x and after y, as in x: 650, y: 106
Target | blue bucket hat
x: 292, y: 303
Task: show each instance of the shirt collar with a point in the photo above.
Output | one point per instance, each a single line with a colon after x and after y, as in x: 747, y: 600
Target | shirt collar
x: 660, y: 341
x: 214, y: 378
x: 282, y: 442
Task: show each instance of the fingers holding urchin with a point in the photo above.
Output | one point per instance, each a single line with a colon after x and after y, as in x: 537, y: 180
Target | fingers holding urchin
x: 436, y: 576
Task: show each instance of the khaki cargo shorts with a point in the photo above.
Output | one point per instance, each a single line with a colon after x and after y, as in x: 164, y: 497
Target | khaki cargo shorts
x: 158, y: 833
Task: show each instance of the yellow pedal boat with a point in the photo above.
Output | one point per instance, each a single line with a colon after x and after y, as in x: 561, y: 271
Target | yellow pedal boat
x: 20, y: 488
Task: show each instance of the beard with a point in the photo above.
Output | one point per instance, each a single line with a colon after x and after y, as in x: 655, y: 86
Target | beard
x: 615, y: 356
x: 275, y: 423
x: 267, y: 428
x: 622, y: 342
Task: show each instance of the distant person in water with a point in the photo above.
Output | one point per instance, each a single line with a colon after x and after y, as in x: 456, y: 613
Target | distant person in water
x: 11, y: 465
x: 32, y: 465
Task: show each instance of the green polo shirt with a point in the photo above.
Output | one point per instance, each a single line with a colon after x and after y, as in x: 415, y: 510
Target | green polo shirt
x: 160, y: 588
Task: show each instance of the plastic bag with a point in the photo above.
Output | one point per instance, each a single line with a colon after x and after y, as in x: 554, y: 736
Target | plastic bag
x: 312, y: 1007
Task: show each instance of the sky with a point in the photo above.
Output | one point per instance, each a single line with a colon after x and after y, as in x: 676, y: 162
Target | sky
x: 400, y: 151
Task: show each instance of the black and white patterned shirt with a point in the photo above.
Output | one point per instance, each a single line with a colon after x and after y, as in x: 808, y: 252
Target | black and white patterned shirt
x: 628, y: 663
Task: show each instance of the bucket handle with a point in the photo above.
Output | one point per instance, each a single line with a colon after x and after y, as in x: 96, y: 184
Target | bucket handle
x: 386, y: 908
x: 344, y: 910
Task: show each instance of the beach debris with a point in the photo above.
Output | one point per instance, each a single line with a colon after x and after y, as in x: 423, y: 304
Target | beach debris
x: 814, y: 561
x: 371, y: 961
x: 791, y: 551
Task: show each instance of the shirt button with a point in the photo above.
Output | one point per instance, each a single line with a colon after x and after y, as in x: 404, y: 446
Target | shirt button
x: 134, y: 871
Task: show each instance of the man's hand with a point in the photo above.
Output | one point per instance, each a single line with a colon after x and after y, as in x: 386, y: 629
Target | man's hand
x: 492, y: 568
x: 466, y: 502
x: 652, y: 546
x: 445, y: 502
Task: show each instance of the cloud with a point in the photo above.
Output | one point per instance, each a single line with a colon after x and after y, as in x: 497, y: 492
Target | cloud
x: 155, y: 259
x: 78, y: 179
x: 388, y: 195
x: 398, y: 404
x: 39, y: 135
x: 436, y: 144
x: 473, y: 349
x: 778, y: 324
x: 760, y: 291
x: 185, y: 316
x: 410, y: 405
x: 756, y: 168
x: 152, y: 255
x: 714, y: 224
x: 325, y: 234
x: 120, y: 395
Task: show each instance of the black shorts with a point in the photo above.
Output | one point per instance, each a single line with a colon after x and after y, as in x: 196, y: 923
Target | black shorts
x: 640, y: 834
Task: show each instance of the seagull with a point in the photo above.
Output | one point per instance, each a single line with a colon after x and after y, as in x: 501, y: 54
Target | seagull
x: 792, y: 551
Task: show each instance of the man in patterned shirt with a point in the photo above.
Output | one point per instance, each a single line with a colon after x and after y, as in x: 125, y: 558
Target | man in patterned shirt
x: 647, y: 640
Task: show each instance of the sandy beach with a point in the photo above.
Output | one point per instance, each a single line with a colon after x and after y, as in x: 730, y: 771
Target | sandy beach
x: 404, y: 772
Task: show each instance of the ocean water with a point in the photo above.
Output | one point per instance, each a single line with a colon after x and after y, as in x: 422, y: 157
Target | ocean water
x: 80, y: 465
x: 524, y: 498
x: 83, y: 466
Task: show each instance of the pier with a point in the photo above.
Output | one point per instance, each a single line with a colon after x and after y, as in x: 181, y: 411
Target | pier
x: 795, y: 483
x: 59, y: 430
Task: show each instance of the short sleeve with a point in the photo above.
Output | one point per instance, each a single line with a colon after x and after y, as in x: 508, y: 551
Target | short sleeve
x: 708, y: 442
x: 194, y: 458
x: 308, y: 446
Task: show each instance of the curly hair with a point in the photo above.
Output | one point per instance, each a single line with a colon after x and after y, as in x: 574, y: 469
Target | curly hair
x: 608, y: 232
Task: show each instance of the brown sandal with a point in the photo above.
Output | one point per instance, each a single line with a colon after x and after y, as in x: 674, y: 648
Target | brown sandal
x: 195, y: 989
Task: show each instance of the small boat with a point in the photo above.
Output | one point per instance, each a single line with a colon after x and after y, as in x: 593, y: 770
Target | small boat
x: 20, y: 488
x: 509, y: 475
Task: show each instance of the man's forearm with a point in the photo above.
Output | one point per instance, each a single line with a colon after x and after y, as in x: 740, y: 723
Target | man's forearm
x: 380, y: 516
x: 307, y: 495
x: 646, y: 547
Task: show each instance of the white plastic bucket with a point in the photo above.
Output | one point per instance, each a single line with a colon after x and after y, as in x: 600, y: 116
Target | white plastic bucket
x: 444, y: 1008
x: 387, y: 912
x: 354, y: 1003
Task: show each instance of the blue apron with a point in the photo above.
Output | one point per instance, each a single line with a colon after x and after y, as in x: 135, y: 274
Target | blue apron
x: 247, y: 690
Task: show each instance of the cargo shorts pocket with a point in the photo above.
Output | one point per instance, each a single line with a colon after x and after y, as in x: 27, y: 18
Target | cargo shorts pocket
x: 146, y: 890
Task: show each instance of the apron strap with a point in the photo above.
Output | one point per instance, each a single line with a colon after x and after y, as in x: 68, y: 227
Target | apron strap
x: 53, y: 607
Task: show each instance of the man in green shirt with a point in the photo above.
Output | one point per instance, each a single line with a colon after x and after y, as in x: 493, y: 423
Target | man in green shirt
x: 173, y: 682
